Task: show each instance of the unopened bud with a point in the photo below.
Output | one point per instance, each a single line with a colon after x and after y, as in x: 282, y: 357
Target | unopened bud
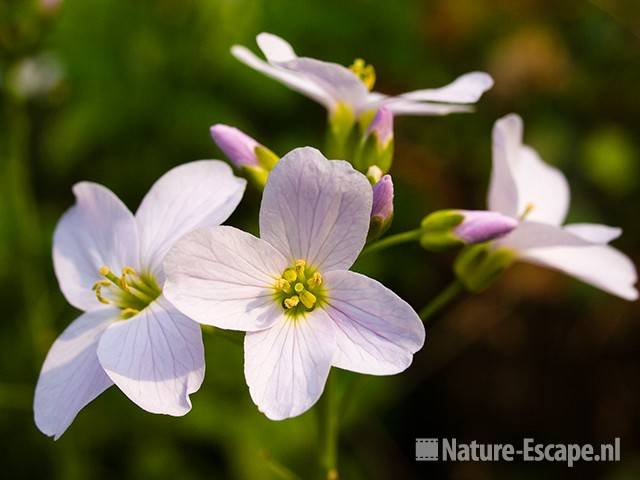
x: 478, y: 266
x: 382, y: 207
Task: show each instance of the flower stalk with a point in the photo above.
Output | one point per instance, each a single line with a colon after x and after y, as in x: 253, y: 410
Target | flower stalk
x: 329, y: 427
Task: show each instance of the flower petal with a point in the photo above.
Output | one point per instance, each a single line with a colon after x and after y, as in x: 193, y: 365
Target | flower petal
x: 599, y: 265
x: 156, y: 358
x: 467, y: 88
x: 98, y: 230
x: 540, y: 189
x: 377, y: 332
x: 193, y: 195
x: 316, y: 210
x: 593, y: 232
x: 224, y: 277
x: 71, y: 376
x: 275, y: 48
x: 399, y: 106
x: 294, y: 81
x: 286, y: 366
x: 340, y: 83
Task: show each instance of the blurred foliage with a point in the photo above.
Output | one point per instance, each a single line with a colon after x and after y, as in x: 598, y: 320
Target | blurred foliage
x: 118, y: 92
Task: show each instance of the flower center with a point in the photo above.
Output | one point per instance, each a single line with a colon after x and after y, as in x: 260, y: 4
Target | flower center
x: 300, y: 289
x: 365, y: 72
x: 131, y: 292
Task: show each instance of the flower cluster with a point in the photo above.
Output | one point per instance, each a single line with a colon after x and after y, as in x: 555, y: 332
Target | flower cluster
x: 146, y: 281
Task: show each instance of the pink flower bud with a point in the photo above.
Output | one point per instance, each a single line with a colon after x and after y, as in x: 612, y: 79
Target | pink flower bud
x: 481, y: 226
x: 237, y: 145
x: 382, y: 126
x: 383, y: 199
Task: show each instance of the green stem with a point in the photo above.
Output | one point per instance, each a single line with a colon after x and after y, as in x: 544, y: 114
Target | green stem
x: 329, y: 428
x: 391, y: 240
x: 278, y: 469
x: 446, y: 296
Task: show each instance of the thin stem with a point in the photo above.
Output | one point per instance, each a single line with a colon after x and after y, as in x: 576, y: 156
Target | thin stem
x: 277, y: 468
x: 329, y: 428
x: 446, y: 296
x: 392, y: 240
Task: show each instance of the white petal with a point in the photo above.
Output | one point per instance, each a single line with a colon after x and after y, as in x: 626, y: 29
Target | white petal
x: 599, y: 265
x: 71, y: 376
x: 377, y: 332
x: 294, y: 81
x: 274, y: 48
x: 408, y: 107
x: 340, y: 83
x: 593, y: 232
x: 286, y: 366
x: 507, y: 138
x: 316, y: 210
x: 224, y: 277
x: 193, y: 195
x: 98, y: 230
x: 156, y: 358
x: 521, y: 181
x: 467, y: 88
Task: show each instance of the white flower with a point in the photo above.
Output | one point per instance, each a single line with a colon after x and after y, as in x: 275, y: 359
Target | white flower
x: 290, y: 289
x: 109, y: 264
x: 525, y: 188
x: 333, y: 85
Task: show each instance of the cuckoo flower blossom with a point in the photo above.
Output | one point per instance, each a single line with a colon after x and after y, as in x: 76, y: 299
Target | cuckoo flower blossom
x: 109, y: 265
x: 333, y: 85
x: 291, y: 290
x: 525, y: 188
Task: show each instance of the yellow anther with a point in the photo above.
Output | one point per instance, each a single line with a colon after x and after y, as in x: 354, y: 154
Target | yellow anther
x: 298, y: 287
x: 290, y: 275
x: 282, y: 284
x: 97, y: 287
x: 308, y: 299
x: 291, y: 301
x: 300, y: 267
x: 527, y: 210
x: 104, y: 270
x: 129, y: 271
x: 365, y: 72
x: 315, y: 280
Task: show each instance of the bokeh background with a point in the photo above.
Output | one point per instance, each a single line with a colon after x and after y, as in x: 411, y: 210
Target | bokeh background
x: 118, y: 92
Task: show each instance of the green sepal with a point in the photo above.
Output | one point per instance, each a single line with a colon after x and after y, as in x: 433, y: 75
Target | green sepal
x: 342, y: 137
x: 378, y: 227
x: 438, y: 230
x: 258, y: 176
x: 478, y: 266
x: 266, y: 158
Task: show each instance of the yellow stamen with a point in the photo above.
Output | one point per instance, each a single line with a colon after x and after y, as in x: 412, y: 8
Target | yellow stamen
x: 366, y: 73
x: 129, y: 312
x: 315, y: 280
x: 299, y: 287
x: 290, y: 275
x: 291, y: 301
x: 527, y: 210
x: 104, y: 270
x: 308, y: 299
x: 97, y: 287
x: 282, y: 284
x: 300, y: 266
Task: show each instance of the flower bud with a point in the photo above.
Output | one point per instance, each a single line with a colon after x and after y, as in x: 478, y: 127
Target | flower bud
x: 381, y: 127
x: 376, y: 145
x: 478, y: 266
x: 382, y: 207
x: 255, y: 160
x: 446, y: 229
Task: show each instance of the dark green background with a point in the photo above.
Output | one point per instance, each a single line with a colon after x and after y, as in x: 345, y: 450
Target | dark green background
x: 537, y: 355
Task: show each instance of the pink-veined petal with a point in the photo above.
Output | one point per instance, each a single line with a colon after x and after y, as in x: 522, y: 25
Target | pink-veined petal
x: 376, y: 331
x: 190, y: 196
x: 275, y: 48
x: 71, y: 375
x: 521, y: 181
x: 599, y: 265
x: 467, y: 88
x: 294, y: 81
x: 286, y: 366
x: 400, y: 106
x: 98, y: 230
x: 225, y: 277
x: 594, y: 232
x: 315, y: 209
x: 156, y: 358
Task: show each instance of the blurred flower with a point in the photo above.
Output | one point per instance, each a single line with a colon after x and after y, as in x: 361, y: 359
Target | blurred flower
x: 445, y: 229
x: 537, y: 195
x: 35, y: 76
x: 291, y: 291
x: 382, y: 208
x: 335, y: 86
x: 254, y: 159
x: 381, y: 127
x: 109, y: 264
